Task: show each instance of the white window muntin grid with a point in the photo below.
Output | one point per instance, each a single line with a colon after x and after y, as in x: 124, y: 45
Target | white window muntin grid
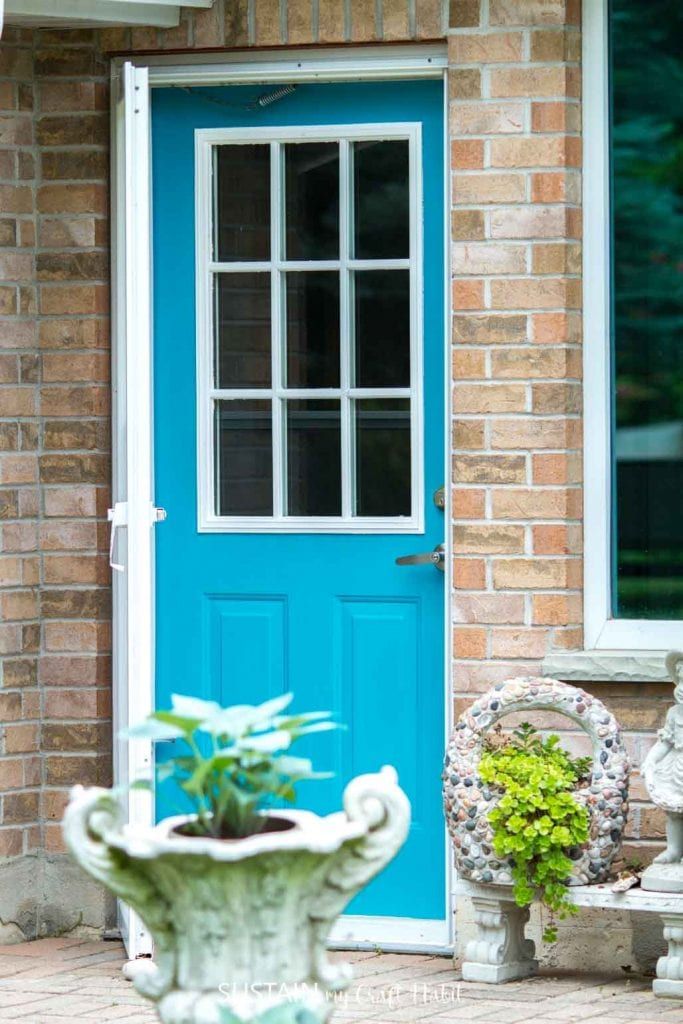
x: 206, y: 269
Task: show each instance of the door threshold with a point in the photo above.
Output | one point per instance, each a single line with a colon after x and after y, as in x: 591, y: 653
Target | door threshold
x: 391, y: 935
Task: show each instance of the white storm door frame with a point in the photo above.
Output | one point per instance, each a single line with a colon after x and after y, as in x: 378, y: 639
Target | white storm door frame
x: 132, y: 485
x: 132, y: 343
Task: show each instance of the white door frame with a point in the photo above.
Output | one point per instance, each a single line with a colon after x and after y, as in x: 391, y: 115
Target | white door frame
x: 132, y: 342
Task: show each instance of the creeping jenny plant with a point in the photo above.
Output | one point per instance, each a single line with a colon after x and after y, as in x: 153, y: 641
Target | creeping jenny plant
x: 537, y: 819
x: 234, y: 762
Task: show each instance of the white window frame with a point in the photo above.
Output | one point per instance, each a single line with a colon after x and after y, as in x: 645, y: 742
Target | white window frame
x: 602, y: 630
x: 207, y: 519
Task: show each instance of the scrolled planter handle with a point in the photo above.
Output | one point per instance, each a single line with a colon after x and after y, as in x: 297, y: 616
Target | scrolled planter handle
x: 93, y: 826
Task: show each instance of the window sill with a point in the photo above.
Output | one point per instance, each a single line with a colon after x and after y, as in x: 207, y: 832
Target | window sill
x: 608, y: 666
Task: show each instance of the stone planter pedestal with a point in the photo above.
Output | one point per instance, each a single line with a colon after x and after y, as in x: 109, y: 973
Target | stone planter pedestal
x: 500, y: 952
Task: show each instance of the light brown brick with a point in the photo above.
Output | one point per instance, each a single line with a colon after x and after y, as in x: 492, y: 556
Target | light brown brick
x: 468, y: 503
x: 529, y: 222
x: 78, y: 636
x: 469, y: 642
x: 556, y: 539
x: 556, y: 609
x: 532, y: 81
x: 534, y: 363
x: 555, y: 116
x: 395, y: 19
x: 535, y: 433
x: 558, y: 397
x: 555, y: 328
x: 363, y: 21
x: 537, y: 503
x: 468, y: 434
x: 556, y: 258
x: 57, y: 299
x: 489, y: 398
x: 467, y: 154
x: 467, y: 225
x: 488, y: 608
x: 488, y: 258
x: 527, y: 12
x: 489, y: 469
x: 539, y: 293
x: 485, y: 48
x: 534, y: 151
x: 556, y: 187
x: 518, y: 643
x: 468, y: 294
x: 20, y: 739
x: 330, y: 21
x: 469, y: 573
x: 535, y: 573
x: 58, y: 367
x: 468, y: 364
x: 429, y: 19
x: 489, y: 329
x: 486, y: 118
x: 487, y: 539
x: 556, y: 468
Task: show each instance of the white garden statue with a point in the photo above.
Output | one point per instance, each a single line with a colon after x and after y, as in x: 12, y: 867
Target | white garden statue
x: 662, y: 771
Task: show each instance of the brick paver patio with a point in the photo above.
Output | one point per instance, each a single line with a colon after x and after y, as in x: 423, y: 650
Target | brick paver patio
x: 59, y: 980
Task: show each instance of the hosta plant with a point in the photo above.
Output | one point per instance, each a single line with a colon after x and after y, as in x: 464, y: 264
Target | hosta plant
x: 537, y: 819
x: 234, y: 762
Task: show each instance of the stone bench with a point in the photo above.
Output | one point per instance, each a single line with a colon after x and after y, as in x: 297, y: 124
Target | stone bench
x: 500, y: 952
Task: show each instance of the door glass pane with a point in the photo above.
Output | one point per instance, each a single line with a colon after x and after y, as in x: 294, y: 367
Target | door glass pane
x: 313, y: 458
x: 313, y: 329
x: 382, y: 200
x: 242, y: 211
x: 382, y: 318
x: 244, y: 463
x: 382, y: 457
x: 647, y: 210
x: 312, y: 200
x: 242, y: 330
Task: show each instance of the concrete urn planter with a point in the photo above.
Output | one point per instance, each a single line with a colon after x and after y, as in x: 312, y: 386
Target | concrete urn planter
x: 467, y: 800
x: 240, y: 927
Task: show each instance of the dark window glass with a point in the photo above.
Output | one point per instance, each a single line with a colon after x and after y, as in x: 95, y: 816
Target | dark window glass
x: 313, y: 329
x: 242, y: 214
x: 383, y: 457
x: 647, y: 177
x: 382, y: 314
x: 244, y: 464
x: 381, y: 194
x: 313, y: 458
x: 312, y: 200
x: 242, y: 330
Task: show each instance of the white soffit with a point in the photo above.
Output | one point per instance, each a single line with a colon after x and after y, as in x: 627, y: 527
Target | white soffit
x: 94, y: 13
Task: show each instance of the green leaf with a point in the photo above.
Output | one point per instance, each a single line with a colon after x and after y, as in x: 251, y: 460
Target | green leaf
x: 153, y: 729
x: 266, y: 742
x: 193, y: 707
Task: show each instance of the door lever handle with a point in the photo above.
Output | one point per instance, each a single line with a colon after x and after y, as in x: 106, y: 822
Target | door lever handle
x: 437, y: 558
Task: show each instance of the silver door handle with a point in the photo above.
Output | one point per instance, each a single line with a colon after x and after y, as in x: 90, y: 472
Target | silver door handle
x: 437, y: 558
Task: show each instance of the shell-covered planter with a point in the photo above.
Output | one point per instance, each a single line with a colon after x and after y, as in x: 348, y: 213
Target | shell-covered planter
x: 467, y: 800
x: 240, y: 927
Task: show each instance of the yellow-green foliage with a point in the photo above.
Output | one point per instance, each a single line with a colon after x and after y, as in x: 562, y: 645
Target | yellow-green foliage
x: 537, y: 820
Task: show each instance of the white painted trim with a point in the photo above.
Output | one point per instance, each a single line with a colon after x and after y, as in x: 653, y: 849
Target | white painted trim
x: 133, y: 614
x: 602, y: 631
x: 208, y: 521
x: 396, y: 63
x: 96, y: 13
x: 362, y: 63
x: 391, y: 934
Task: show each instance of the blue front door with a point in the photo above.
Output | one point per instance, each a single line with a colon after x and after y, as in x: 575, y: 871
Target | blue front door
x: 299, y: 422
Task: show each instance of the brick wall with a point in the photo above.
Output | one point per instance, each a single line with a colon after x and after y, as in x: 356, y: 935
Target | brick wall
x: 515, y: 151
x: 515, y: 125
